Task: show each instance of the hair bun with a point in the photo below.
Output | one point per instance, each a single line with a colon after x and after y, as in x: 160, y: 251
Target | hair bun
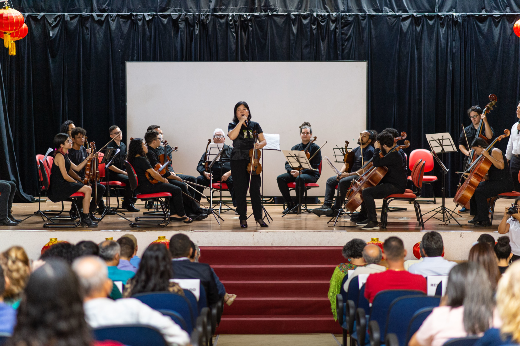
x: 306, y: 123
x: 504, y: 240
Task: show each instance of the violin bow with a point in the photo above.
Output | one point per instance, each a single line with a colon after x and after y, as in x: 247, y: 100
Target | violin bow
x: 361, y: 147
x: 464, y: 130
x: 317, y: 151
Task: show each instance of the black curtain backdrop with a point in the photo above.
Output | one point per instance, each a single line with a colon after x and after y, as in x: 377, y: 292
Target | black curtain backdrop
x: 427, y: 62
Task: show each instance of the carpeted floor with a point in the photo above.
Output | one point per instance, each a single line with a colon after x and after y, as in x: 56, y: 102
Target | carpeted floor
x: 279, y: 340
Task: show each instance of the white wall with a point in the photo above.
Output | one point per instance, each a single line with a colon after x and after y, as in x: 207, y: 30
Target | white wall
x: 190, y: 99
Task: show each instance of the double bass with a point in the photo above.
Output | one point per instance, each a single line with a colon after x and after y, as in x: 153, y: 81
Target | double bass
x: 477, y: 172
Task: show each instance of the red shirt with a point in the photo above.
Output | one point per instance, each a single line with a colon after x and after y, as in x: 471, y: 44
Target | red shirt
x: 393, y: 280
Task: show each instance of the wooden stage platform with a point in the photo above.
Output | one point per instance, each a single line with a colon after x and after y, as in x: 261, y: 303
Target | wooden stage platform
x: 306, y: 229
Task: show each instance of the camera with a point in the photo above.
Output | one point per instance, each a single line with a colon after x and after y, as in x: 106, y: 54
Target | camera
x: 512, y: 210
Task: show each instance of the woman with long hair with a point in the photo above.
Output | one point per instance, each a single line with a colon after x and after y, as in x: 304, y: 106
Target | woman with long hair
x: 17, y: 269
x: 466, y: 309
x: 484, y: 255
x: 154, y: 273
x: 240, y: 131
x: 137, y: 150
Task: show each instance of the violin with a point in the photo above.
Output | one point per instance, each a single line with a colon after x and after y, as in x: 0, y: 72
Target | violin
x: 161, y: 169
x: 167, y: 155
x: 349, y: 158
x: 489, y: 107
x: 206, y: 162
x: 91, y: 170
x: 254, y: 167
x: 306, y: 150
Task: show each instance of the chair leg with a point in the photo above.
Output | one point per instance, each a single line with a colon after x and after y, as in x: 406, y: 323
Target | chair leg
x: 492, y: 202
x: 384, y: 214
x: 418, y: 213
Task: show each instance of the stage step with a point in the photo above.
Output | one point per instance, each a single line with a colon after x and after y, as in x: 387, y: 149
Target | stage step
x: 274, y: 272
x: 280, y: 324
x: 279, y: 306
x: 280, y: 289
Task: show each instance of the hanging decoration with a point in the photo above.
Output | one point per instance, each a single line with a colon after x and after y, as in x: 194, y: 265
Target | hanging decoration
x: 417, y: 250
x: 376, y: 241
x: 12, y: 27
x: 162, y: 240
x: 51, y: 242
x: 516, y: 28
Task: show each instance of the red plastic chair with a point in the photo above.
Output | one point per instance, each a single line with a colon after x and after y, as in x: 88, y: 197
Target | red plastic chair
x: 219, y: 187
x: 426, y: 156
x: 308, y: 186
x: 505, y: 195
x: 114, y: 184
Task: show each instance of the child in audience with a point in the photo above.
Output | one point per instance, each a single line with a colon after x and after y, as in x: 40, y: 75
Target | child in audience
x: 503, y: 252
x: 511, y: 224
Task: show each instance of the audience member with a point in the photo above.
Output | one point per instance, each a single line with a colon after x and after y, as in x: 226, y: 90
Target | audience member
x: 154, y: 273
x: 15, y: 264
x: 7, y: 313
x: 395, y: 277
x: 486, y: 238
x: 135, y: 259
x: 467, y: 308
x: 110, y: 252
x: 101, y: 311
x: 51, y: 311
x: 353, y: 253
x: 372, y: 255
x: 63, y: 250
x: 127, y: 252
x: 183, y: 268
x: 433, y: 264
x: 503, y: 252
x: 511, y: 224
x: 484, y: 255
x: 86, y: 248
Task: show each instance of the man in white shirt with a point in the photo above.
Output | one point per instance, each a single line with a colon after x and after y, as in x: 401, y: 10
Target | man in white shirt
x: 372, y: 255
x: 513, y: 151
x: 433, y: 264
x: 101, y: 311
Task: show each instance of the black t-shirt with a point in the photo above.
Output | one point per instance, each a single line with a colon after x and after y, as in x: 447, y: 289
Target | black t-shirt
x: 120, y: 158
x: 396, y: 175
x: 77, y: 157
x: 153, y: 158
x: 244, y: 141
x: 315, y: 162
x: 225, y: 157
x: 495, y: 174
x: 141, y: 165
x: 471, y: 134
x: 368, y: 153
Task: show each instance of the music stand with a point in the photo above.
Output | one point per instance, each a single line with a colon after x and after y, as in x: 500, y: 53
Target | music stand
x: 442, y: 143
x: 298, y: 161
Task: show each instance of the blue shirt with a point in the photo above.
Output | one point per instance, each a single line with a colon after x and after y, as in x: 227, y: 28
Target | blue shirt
x: 135, y: 261
x: 126, y: 265
x: 432, y: 266
x: 7, y: 318
x: 115, y: 274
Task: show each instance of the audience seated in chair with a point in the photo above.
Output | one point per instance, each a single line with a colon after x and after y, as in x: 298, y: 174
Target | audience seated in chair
x: 86, y: 248
x: 154, y: 273
x: 433, y: 263
x: 395, y: 277
x: 372, y: 255
x: 183, y: 268
x: 503, y: 253
x: 7, y: 313
x: 127, y: 251
x: 16, y: 266
x: 484, y: 255
x: 353, y: 253
x: 466, y: 309
x: 511, y: 224
x: 64, y: 250
x: 101, y: 311
x: 487, y: 239
x: 135, y: 260
x: 110, y: 252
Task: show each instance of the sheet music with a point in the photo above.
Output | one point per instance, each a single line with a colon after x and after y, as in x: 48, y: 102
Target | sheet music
x: 213, y: 150
x: 273, y: 141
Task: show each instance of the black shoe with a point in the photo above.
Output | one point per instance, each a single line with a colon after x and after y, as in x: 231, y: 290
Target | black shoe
x: 94, y: 218
x: 204, y: 211
x: 130, y: 207
x: 11, y: 217
x: 148, y: 205
x: 289, y: 207
x: 197, y: 217
x: 474, y: 220
x: 243, y: 223
x: 371, y: 225
x: 485, y: 223
x: 356, y: 217
x: 323, y: 211
x: 362, y: 222
x: 86, y: 221
x: 7, y: 222
x: 261, y: 223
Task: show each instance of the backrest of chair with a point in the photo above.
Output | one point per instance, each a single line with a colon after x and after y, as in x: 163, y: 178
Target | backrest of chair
x: 134, y: 334
x: 101, y: 169
x: 320, y: 166
x: 415, y: 323
x: 425, y: 155
x: 132, y: 177
x: 177, y: 318
x: 353, y: 290
x: 436, y: 284
x: 4, y: 338
x: 44, y: 176
x: 402, y: 310
x: 363, y: 302
x: 203, y: 300
x: 418, y: 174
x: 193, y: 302
x: 466, y: 341
x: 169, y: 301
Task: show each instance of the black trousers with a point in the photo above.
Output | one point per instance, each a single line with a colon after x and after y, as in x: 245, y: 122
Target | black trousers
x: 201, y: 180
x: 175, y: 201
x: 128, y: 194
x: 486, y: 189
x: 241, y: 181
x: 7, y: 192
x: 343, y: 186
x: 514, y: 168
x: 377, y: 192
x: 100, y: 193
x: 190, y: 205
x: 284, y: 179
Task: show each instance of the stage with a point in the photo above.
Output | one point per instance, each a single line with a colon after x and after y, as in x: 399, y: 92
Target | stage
x: 306, y: 229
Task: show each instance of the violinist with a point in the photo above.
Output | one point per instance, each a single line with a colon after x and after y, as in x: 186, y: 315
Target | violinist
x: 191, y: 207
x: 307, y: 175
x: 67, y: 127
x: 513, y: 151
x: 77, y: 154
x: 393, y: 182
x: 219, y: 173
x: 498, y: 181
x: 401, y: 152
x: 240, y: 131
x: 365, y: 141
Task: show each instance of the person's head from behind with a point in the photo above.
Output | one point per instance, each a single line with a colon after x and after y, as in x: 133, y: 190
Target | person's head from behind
x: 155, y: 270
x: 372, y: 254
x: 180, y: 245
x: 386, y: 140
x: 16, y: 266
x: 469, y: 286
x: 134, y: 239
x: 110, y: 252
x: 508, y: 301
x: 394, y: 251
x: 432, y: 244
x: 127, y: 248
x: 87, y: 248
x: 392, y: 131
x: 63, y: 250
x: 353, y: 249
x: 487, y: 239
x: 503, y: 249
x: 195, y: 252
x: 93, y: 277
x: 51, y: 310
x: 136, y: 148
x: 4, y: 283
x: 484, y: 254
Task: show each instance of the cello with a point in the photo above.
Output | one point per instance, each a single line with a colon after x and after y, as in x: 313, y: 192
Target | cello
x: 477, y: 171
x: 489, y: 107
x: 349, y: 158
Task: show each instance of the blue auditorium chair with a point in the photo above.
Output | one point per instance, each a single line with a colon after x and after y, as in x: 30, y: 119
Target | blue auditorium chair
x: 345, y: 312
x: 131, y: 334
x: 177, y: 318
x: 3, y: 338
x: 416, y: 322
x: 391, y: 340
x: 466, y: 341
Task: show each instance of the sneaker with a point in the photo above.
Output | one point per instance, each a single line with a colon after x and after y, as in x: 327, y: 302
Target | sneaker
x: 463, y: 210
x: 362, y: 222
x: 474, y: 220
x: 371, y: 225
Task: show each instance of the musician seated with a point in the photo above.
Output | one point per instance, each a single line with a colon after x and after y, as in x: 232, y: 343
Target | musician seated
x: 366, y: 138
x: 393, y: 182
x: 306, y: 175
x: 7, y: 193
x: 190, y: 205
x: 221, y: 170
x: 77, y: 154
x: 497, y: 180
x: 137, y: 151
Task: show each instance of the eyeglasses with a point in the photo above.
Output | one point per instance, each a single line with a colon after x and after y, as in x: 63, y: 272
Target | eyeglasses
x: 69, y: 140
x: 474, y: 116
x: 218, y: 136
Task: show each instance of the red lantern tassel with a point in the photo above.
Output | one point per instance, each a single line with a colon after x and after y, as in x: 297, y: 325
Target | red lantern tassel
x: 7, y: 39
x: 12, y: 48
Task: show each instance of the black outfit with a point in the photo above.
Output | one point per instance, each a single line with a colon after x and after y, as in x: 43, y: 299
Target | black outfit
x: 59, y: 188
x: 514, y: 168
x: 7, y: 192
x: 499, y: 181
x: 141, y: 165
x: 219, y: 168
x: 119, y: 162
x: 471, y: 134
x: 502, y: 269
x: 185, y: 269
x: 77, y: 157
x: 344, y: 184
x: 306, y: 176
x: 239, y: 160
x: 393, y: 182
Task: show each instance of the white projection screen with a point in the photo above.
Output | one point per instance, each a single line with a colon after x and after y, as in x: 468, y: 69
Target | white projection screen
x: 190, y: 99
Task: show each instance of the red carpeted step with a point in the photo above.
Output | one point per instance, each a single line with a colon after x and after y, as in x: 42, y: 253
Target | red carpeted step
x: 279, y: 324
x: 279, y: 306
x: 280, y: 289
x: 263, y: 255
x: 273, y: 272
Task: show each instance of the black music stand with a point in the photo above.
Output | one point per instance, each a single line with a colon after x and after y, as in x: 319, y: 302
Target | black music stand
x: 442, y: 143
x: 298, y: 161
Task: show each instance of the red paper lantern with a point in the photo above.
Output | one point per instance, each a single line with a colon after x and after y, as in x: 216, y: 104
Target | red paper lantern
x: 516, y: 28
x: 162, y: 240
x: 51, y: 242
x: 376, y: 241
x: 417, y: 250
x: 15, y: 36
x: 11, y: 20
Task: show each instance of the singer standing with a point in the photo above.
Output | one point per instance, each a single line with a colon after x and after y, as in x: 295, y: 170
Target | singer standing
x: 513, y: 151
x: 240, y: 131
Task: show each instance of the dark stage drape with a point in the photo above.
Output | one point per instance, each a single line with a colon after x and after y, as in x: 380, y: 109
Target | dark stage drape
x: 425, y: 66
